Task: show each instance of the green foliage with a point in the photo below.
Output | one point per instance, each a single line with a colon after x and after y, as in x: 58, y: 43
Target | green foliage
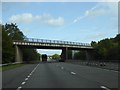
x: 11, y: 32
x: 14, y: 32
x: 56, y: 57
x: 107, y: 49
x: 7, y: 50
x: 30, y: 55
x: 12, y: 66
x: 80, y: 55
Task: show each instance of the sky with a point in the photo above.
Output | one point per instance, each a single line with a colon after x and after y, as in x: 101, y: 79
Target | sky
x: 68, y: 21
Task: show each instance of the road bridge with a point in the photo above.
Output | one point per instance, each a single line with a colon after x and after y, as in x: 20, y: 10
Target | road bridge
x: 50, y: 44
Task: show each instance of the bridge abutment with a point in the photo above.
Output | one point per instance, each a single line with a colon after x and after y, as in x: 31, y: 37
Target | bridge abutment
x: 19, y: 55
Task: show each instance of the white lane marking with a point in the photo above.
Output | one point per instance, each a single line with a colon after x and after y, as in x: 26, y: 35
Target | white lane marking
x: 33, y: 71
x: 104, y: 87
x: 19, y: 88
x: 73, y: 73
x: 28, y: 76
x: 62, y: 67
x: 26, y: 79
x: 23, y: 83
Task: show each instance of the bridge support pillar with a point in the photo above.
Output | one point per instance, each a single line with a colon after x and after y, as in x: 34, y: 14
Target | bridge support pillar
x: 73, y: 54
x: 19, y: 55
x: 64, y: 55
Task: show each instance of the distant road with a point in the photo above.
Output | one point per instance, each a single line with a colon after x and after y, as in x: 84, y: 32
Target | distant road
x: 60, y: 75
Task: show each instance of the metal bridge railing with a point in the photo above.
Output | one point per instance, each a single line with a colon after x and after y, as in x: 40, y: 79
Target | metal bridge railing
x: 55, y: 42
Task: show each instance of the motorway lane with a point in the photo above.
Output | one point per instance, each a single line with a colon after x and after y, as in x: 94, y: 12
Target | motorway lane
x: 64, y: 75
x: 13, y: 78
x: 48, y: 75
x: 59, y: 75
x: 104, y: 77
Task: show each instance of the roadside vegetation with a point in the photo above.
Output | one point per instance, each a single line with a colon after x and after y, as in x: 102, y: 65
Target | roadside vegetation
x: 105, y: 50
x: 56, y: 57
x: 11, y: 32
x: 12, y: 66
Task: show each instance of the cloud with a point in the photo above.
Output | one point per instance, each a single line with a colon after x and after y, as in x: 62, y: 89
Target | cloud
x: 78, y: 19
x: 56, y: 22
x: 23, y: 18
x: 44, y: 18
x: 101, y: 9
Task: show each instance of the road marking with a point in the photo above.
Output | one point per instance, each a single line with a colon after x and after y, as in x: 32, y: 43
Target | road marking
x: 28, y: 76
x: 26, y: 79
x: 73, y: 73
x: 104, y: 87
x: 23, y: 83
x: 62, y: 67
x: 19, y: 88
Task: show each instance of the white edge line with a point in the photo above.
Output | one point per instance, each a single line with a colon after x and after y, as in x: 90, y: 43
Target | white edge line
x: 104, y: 87
x: 73, y: 73
x: 19, y: 87
x: 27, y: 77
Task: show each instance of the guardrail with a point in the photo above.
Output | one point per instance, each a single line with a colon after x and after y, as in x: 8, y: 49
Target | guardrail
x: 9, y: 64
x: 53, y: 41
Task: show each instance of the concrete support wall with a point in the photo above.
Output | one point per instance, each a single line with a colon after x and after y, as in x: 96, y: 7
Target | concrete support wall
x: 19, y: 55
x: 64, y: 55
x: 72, y: 54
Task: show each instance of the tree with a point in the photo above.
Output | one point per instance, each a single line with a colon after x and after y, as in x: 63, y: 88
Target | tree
x: 80, y: 55
x: 12, y: 32
x: 107, y: 49
x: 56, y: 57
x: 7, y: 50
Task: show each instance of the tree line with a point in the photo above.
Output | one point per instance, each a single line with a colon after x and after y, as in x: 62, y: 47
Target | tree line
x: 11, y: 32
x: 105, y: 50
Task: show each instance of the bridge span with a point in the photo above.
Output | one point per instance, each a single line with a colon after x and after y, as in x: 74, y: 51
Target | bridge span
x: 50, y: 44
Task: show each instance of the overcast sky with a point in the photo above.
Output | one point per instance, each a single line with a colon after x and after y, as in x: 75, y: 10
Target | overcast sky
x: 73, y: 21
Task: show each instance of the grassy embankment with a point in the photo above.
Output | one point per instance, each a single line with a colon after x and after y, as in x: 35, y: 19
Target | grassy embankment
x: 8, y: 67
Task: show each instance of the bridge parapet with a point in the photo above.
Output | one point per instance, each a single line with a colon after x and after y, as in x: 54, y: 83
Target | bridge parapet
x: 32, y: 40
x: 50, y: 44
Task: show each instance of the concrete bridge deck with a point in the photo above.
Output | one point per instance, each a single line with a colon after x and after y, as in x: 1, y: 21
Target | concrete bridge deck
x: 54, y: 44
x: 50, y: 44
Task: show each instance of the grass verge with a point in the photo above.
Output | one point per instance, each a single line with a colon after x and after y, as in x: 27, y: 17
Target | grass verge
x: 8, y: 67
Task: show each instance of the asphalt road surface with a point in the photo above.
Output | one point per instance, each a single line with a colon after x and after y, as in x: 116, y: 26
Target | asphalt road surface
x: 59, y: 75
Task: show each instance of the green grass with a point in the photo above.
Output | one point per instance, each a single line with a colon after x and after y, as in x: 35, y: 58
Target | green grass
x: 8, y: 67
